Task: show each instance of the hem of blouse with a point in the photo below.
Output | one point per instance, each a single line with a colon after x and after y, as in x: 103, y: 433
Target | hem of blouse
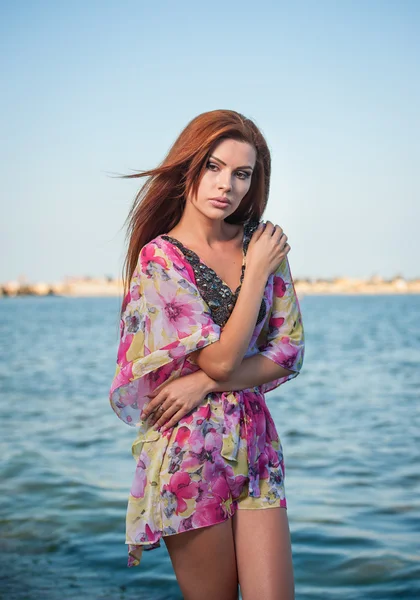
x: 156, y: 544
x: 275, y: 505
x: 272, y: 385
x: 297, y: 371
x: 291, y: 375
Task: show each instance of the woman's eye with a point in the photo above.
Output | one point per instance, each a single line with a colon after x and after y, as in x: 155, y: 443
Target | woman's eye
x: 241, y: 174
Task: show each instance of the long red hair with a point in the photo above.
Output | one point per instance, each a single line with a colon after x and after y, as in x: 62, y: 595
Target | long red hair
x: 159, y: 204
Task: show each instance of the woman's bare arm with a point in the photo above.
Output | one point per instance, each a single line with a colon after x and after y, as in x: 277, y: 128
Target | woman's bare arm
x: 220, y: 359
x: 252, y: 371
x: 266, y: 250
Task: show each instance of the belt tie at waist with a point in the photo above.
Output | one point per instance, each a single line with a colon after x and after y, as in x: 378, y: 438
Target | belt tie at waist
x: 248, y: 412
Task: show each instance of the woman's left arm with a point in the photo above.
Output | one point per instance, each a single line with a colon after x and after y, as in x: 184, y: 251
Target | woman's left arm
x: 280, y: 358
x: 253, y: 371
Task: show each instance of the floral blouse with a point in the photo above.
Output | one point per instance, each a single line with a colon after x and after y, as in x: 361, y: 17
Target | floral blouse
x: 166, y: 318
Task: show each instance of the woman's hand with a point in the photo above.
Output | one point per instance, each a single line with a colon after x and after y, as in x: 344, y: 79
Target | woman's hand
x: 267, y: 249
x: 174, y: 399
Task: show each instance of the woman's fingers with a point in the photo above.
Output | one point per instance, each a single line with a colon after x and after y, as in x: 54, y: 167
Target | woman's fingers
x: 282, y: 240
x: 174, y: 420
x: 162, y: 417
x: 152, y: 405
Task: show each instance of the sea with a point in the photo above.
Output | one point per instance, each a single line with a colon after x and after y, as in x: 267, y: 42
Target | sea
x: 349, y: 426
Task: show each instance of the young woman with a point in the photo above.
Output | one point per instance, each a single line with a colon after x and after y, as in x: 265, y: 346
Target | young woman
x: 210, y: 322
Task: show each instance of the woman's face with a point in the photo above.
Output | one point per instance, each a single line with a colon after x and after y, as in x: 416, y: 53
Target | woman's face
x: 228, y: 175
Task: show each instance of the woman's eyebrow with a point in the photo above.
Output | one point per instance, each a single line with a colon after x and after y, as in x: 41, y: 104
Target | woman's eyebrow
x: 223, y: 163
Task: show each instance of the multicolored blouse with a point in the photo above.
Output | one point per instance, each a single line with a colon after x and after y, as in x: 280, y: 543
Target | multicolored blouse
x: 196, y: 473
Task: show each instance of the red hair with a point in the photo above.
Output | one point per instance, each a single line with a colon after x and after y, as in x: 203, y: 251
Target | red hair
x: 159, y: 204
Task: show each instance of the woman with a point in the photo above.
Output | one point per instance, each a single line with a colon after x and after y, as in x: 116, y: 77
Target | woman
x: 210, y: 322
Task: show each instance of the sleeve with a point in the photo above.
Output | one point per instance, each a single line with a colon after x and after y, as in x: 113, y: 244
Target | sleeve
x: 285, y: 343
x: 164, y: 319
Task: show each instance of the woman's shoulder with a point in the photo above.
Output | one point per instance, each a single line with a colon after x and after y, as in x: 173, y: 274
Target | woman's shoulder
x: 159, y: 248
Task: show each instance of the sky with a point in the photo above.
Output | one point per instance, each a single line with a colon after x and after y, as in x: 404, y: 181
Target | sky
x: 91, y: 90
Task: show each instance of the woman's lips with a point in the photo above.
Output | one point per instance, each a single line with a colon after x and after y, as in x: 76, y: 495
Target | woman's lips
x: 219, y: 203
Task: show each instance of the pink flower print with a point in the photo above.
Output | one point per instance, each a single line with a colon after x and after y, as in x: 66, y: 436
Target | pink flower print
x: 196, y: 442
x: 276, y: 323
x: 277, y: 477
x: 150, y: 536
x: 232, y: 410
x: 208, y: 512
x: 140, y: 476
x: 279, y: 287
x: 176, y: 349
x: 188, y: 418
x: 203, y: 413
x: 148, y: 255
x: 220, y: 488
x: 176, y: 455
x: 271, y: 432
x: 182, y: 436
x: 213, y: 464
x: 183, y: 488
x: 286, y: 353
x: 179, y: 312
x: 260, y: 425
x: 123, y: 377
x: 203, y: 488
x: 262, y: 466
x: 159, y: 377
x: 176, y: 314
x: 213, y: 441
x: 126, y: 300
x: 273, y: 456
x: 206, y: 330
x: 185, y: 525
x: 133, y: 322
x: 135, y: 292
x: 123, y: 349
x: 174, y: 256
x: 236, y: 484
x: 122, y: 324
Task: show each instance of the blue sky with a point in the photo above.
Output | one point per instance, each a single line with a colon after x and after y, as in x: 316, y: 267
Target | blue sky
x: 92, y: 89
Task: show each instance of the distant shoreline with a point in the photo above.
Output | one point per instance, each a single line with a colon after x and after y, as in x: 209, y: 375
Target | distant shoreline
x: 106, y: 286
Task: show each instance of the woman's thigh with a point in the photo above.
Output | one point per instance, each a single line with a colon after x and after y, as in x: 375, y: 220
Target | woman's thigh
x: 263, y: 553
x: 204, y: 562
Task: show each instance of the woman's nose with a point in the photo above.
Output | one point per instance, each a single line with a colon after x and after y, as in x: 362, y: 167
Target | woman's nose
x: 225, y: 183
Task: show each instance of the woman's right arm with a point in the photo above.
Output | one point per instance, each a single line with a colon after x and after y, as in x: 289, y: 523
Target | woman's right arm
x: 266, y: 250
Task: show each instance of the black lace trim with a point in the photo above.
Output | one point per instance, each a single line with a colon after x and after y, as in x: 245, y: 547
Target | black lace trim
x: 219, y: 297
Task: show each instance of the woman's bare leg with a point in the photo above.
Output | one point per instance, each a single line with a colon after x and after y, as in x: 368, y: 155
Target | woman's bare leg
x: 264, y: 554
x: 204, y: 562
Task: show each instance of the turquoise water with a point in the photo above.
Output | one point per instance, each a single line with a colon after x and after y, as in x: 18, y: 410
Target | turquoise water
x: 349, y: 425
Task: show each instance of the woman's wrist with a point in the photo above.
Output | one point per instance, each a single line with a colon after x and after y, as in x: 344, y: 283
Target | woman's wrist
x: 258, y: 278
x: 207, y: 383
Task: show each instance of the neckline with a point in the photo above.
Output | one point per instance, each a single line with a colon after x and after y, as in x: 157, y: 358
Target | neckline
x: 243, y: 267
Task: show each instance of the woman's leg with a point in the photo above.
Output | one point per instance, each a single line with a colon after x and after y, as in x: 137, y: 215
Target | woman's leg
x: 264, y: 554
x: 204, y: 562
